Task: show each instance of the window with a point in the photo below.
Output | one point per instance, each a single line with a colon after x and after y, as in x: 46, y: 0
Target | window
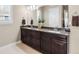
x: 5, y: 14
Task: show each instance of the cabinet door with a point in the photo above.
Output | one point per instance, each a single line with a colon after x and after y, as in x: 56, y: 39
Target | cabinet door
x: 45, y: 43
x: 23, y: 35
x: 26, y: 36
x: 53, y: 44
x: 60, y: 45
x: 35, y: 40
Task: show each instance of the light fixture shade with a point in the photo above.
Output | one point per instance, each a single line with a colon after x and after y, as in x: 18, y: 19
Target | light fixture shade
x: 33, y: 7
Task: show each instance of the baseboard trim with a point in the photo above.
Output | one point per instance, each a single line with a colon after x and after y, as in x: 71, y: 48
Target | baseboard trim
x: 13, y: 43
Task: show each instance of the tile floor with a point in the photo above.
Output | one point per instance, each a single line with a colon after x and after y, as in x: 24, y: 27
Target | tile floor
x: 18, y: 48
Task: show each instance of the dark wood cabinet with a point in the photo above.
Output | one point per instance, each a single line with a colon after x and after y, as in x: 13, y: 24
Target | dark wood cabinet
x: 60, y: 45
x: 75, y: 20
x: 35, y: 37
x: 26, y: 36
x: 53, y: 43
x: 31, y: 38
x: 48, y: 43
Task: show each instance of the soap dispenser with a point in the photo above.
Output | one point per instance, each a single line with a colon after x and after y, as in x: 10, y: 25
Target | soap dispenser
x: 31, y: 22
x: 23, y: 22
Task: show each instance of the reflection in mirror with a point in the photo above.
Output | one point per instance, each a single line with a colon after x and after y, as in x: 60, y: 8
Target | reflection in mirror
x: 51, y: 15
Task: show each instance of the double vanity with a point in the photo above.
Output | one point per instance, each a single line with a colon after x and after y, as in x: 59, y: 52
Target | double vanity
x: 45, y: 40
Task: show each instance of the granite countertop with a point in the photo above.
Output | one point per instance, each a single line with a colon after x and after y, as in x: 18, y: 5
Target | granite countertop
x: 47, y: 30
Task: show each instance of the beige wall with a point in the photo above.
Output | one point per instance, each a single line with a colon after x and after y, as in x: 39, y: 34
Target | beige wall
x: 11, y: 32
x: 74, y: 36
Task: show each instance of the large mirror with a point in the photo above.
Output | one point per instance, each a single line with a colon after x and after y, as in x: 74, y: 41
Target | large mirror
x: 52, y: 15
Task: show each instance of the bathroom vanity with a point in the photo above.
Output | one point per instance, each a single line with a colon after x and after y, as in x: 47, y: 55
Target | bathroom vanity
x: 45, y: 40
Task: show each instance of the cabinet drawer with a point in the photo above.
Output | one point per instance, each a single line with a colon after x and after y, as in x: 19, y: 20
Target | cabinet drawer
x: 60, y: 47
x: 61, y: 36
x: 60, y: 42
